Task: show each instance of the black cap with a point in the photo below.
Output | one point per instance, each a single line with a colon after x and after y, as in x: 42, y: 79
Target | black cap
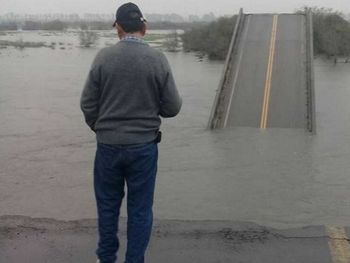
x: 128, y: 12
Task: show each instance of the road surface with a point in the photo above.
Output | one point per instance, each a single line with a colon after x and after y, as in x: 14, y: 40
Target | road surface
x: 267, y: 81
x: 23, y: 239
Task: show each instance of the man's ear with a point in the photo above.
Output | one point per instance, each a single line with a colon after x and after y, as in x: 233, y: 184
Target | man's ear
x: 144, y: 29
x: 120, y: 31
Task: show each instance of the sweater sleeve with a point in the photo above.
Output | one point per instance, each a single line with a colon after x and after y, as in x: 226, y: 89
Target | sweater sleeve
x: 90, y: 97
x: 170, y: 100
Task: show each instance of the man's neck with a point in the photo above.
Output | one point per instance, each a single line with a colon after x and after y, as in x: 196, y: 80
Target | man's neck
x: 135, y: 35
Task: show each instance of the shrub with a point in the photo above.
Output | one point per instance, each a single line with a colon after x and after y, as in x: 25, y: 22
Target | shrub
x: 88, y: 38
x: 212, y: 39
x: 8, y: 26
x: 331, y: 32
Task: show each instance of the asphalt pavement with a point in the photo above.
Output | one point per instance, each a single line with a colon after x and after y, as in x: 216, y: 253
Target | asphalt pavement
x: 23, y: 239
x: 269, y: 75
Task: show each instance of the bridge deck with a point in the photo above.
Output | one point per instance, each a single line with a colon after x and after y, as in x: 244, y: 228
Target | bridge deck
x: 266, y: 84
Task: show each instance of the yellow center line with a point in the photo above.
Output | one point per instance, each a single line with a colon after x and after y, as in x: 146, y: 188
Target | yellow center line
x: 266, y: 101
x: 338, y: 244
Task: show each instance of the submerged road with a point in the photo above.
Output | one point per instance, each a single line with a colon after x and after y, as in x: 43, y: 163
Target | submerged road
x: 267, y: 81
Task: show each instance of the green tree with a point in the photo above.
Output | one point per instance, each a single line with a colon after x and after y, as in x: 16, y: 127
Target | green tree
x: 212, y: 39
x: 8, y: 26
x: 55, y: 25
x: 32, y: 25
x: 331, y: 32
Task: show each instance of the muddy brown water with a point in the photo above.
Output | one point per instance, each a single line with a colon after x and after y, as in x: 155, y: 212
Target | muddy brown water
x: 277, y: 177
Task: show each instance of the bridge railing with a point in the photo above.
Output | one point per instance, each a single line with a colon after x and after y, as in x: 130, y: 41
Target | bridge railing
x: 217, y: 106
x: 311, y: 106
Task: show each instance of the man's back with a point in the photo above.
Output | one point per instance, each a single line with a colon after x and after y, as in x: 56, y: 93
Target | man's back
x: 135, y: 85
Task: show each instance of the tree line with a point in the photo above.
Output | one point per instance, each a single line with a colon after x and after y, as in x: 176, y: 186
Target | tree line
x: 331, y: 35
x: 331, y: 32
x: 57, y: 25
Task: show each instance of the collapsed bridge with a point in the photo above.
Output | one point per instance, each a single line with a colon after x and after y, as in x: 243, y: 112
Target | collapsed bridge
x: 268, y: 78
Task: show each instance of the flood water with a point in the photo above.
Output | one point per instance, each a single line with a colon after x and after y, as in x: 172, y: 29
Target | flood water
x: 277, y: 177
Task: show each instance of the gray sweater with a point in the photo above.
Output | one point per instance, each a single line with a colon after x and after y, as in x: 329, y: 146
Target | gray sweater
x: 128, y: 87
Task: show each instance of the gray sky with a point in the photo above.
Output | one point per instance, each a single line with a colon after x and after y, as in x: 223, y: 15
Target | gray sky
x: 182, y: 7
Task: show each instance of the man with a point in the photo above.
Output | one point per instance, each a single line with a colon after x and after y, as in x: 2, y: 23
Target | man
x: 128, y: 87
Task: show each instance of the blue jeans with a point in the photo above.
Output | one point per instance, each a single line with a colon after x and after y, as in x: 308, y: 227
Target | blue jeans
x: 115, y: 165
